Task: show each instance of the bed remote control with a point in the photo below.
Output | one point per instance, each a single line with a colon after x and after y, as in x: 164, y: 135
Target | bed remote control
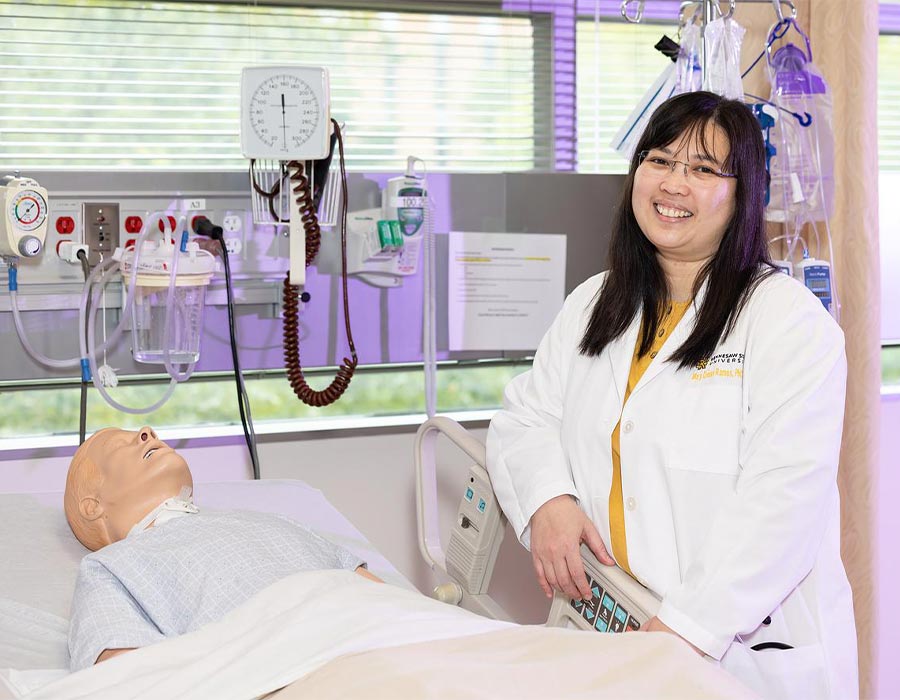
x: 619, y: 603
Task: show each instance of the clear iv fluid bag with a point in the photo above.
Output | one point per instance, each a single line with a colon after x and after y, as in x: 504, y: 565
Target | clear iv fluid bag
x: 802, y: 169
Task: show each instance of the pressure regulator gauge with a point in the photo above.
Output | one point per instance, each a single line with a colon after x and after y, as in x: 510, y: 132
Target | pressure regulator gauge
x: 285, y: 112
x: 23, y: 222
x: 28, y: 209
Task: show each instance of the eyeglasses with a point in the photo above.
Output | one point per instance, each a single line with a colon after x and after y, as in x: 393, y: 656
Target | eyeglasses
x: 658, y: 164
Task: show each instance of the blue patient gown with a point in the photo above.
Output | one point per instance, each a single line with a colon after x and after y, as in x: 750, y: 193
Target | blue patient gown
x: 174, y: 578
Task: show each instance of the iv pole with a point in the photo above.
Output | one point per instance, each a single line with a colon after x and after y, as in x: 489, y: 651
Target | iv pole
x: 709, y: 10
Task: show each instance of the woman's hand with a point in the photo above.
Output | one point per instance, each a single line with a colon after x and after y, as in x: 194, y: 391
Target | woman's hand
x: 657, y: 625
x: 557, y: 530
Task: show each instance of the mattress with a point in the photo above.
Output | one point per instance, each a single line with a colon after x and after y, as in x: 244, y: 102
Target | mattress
x: 41, y: 556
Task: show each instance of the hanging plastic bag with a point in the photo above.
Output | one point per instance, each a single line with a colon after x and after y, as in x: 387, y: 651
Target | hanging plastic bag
x: 688, y: 75
x: 723, y: 58
x: 627, y: 137
x: 802, y: 169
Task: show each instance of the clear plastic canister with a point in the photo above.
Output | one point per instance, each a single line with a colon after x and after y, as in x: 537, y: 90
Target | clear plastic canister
x: 157, y: 325
x: 185, y: 318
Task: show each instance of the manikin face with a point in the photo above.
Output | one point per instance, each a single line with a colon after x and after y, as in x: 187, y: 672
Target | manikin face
x: 684, y: 218
x: 137, y: 472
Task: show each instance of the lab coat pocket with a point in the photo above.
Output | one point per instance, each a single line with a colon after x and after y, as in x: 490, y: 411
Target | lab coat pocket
x: 716, y: 455
x: 780, y: 674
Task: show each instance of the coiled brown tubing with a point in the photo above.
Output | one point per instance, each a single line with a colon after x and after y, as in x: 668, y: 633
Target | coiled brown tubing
x: 303, y: 194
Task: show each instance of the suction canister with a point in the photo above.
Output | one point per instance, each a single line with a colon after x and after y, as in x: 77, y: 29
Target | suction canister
x: 170, y: 290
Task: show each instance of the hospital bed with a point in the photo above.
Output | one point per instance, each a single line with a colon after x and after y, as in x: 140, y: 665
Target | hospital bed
x: 40, y: 559
x: 316, y: 634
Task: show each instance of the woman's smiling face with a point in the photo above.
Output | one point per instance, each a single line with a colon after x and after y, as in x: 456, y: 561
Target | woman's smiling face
x: 685, y: 217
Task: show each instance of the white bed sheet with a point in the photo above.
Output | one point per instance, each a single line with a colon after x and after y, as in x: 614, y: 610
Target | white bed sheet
x: 40, y: 558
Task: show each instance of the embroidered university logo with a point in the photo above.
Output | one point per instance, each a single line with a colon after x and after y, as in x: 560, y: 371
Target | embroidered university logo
x: 729, y: 365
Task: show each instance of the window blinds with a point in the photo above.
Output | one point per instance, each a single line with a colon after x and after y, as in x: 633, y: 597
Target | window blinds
x: 616, y: 65
x: 889, y: 102
x: 126, y: 84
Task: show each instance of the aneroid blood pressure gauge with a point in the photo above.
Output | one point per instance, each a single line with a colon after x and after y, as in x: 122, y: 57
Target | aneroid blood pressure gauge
x: 285, y: 112
x: 23, y: 225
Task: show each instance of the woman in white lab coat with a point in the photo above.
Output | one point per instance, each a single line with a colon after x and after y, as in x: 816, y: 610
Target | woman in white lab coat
x: 684, y: 415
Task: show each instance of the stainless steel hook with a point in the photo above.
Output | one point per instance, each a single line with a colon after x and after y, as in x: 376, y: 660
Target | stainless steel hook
x: 777, y: 5
x: 778, y: 11
x: 730, y: 10
x: 639, y: 13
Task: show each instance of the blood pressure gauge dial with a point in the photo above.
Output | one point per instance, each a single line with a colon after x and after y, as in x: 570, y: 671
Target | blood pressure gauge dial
x: 285, y: 112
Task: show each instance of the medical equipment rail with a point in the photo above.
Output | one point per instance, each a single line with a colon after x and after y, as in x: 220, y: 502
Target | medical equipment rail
x: 619, y: 603
x: 478, y: 531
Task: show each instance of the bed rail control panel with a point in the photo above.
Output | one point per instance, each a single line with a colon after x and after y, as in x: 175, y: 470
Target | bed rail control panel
x: 476, y: 536
x: 618, y: 604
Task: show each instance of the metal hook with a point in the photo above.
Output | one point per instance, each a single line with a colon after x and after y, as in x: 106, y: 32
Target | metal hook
x: 639, y: 13
x: 730, y: 10
x: 778, y: 12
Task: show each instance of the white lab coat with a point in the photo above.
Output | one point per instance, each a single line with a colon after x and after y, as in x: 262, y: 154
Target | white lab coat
x: 728, y: 477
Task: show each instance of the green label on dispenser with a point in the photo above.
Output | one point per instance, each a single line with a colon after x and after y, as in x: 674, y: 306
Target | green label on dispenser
x: 385, y: 239
x: 396, y: 234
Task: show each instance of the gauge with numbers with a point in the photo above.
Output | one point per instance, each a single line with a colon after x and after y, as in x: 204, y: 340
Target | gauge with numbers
x: 28, y: 210
x: 285, y: 112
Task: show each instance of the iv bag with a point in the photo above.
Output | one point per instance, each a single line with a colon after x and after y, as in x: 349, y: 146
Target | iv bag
x: 723, y: 58
x: 802, y: 169
x: 688, y: 76
x: 625, y: 140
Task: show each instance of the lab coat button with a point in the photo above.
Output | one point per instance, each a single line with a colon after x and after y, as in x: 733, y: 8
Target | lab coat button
x: 631, y: 504
x: 628, y: 426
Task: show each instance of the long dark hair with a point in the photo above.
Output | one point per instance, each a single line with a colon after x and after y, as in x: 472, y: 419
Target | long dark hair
x: 636, y: 282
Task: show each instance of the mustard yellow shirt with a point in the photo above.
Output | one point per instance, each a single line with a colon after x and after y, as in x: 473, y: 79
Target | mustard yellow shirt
x: 639, y: 365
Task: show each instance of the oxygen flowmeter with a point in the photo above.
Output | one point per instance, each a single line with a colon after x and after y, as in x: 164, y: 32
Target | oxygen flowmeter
x: 23, y: 224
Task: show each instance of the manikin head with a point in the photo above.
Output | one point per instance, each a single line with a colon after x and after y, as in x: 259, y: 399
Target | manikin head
x: 116, y: 478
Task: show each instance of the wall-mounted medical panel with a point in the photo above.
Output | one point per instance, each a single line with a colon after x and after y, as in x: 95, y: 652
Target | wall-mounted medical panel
x: 386, y: 322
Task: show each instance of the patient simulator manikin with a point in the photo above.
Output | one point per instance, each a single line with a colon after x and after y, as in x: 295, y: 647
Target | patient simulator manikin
x: 160, y: 566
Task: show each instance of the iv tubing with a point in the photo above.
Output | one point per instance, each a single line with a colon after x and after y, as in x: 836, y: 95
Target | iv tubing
x: 97, y: 383
x: 173, y: 371
x: 91, y: 321
x: 35, y: 355
x: 71, y: 362
x: 86, y: 290
x: 129, y: 297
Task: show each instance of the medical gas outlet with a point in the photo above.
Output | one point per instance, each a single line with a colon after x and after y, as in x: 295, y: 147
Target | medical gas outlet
x: 23, y: 226
x: 101, y: 229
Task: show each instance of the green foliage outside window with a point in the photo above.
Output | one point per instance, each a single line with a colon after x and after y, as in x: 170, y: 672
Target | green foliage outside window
x: 200, y: 402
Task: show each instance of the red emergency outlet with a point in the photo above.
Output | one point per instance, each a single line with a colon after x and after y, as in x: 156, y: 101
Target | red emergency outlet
x: 65, y: 225
x: 133, y: 224
x: 172, y: 224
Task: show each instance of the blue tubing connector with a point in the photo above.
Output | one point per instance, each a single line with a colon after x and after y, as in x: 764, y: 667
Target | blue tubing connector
x: 13, y: 279
x: 85, y: 370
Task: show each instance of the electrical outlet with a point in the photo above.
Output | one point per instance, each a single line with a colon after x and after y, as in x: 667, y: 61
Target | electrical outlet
x: 233, y: 245
x: 101, y: 229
